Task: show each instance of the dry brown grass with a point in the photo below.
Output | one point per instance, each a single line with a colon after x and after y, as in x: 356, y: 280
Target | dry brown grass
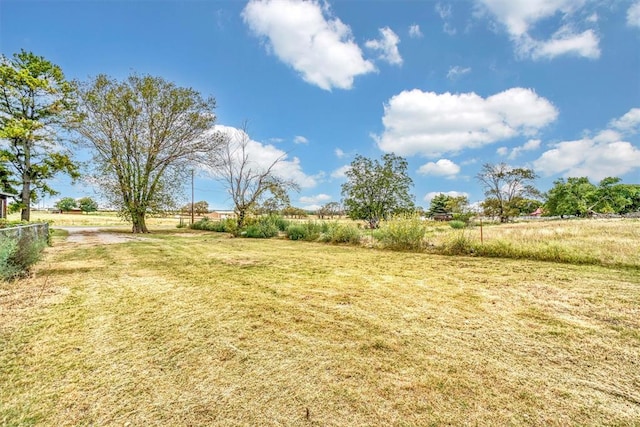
x: 610, y: 242
x: 102, y: 219
x: 207, y: 330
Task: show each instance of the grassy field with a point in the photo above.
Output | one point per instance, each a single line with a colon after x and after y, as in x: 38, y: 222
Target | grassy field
x: 102, y: 219
x: 191, y: 328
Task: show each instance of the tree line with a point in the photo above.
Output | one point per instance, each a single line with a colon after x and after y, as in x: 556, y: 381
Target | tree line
x: 147, y: 135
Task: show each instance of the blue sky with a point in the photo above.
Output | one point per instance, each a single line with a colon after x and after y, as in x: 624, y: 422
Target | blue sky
x: 553, y: 85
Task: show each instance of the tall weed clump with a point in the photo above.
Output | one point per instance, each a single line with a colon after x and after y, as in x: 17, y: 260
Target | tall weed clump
x: 223, y: 226
x: 18, y: 255
x: 341, y: 233
x: 265, y: 227
x: 309, y: 231
x: 404, y: 233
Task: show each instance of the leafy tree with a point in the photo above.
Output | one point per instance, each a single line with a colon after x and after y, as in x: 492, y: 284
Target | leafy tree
x: 7, y: 182
x: 247, y: 182
x: 87, y: 204
x: 330, y: 210
x: 293, y: 212
x: 578, y: 196
x: 201, y: 207
x: 377, y: 190
x: 439, y: 205
x: 144, y: 133
x: 504, y: 188
x: 457, y: 206
x: 66, y: 204
x: 614, y: 197
x: 574, y: 196
x: 36, y: 102
x: 278, y: 201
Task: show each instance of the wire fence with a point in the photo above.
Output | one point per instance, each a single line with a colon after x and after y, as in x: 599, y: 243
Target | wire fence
x: 37, y: 232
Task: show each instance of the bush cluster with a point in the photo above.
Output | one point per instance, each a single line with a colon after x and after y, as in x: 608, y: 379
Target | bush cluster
x: 341, y: 233
x: 257, y: 227
x: 18, y: 255
x: 405, y: 233
x: 223, y: 226
x: 309, y: 231
x: 264, y: 227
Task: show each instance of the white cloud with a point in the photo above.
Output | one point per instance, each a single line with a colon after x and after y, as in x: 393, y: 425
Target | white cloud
x: 597, y: 157
x: 340, y: 172
x: 339, y: 153
x: 300, y: 140
x: 530, y: 145
x: 432, y: 124
x: 564, y: 42
x: 445, y: 13
x: 633, y: 15
x: 429, y: 196
x: 520, y: 19
x: 387, y: 45
x: 307, y: 37
x: 457, y: 71
x: 443, y: 167
x: 263, y: 155
x: 414, y: 31
x: 315, y: 200
x: 629, y: 123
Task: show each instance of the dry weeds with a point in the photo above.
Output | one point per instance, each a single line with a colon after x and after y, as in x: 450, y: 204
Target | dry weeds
x: 207, y: 330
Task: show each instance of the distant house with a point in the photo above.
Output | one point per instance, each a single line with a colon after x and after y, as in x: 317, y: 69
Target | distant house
x: 537, y: 212
x: 3, y: 203
x: 221, y: 214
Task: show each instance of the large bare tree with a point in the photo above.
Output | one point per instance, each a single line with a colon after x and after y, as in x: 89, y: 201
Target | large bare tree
x: 145, y: 134
x: 504, y: 187
x: 246, y: 179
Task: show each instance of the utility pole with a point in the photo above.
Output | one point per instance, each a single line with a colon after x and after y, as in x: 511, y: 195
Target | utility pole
x: 192, y: 204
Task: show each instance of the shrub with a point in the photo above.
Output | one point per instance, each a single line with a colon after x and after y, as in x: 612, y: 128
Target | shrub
x: 340, y: 233
x: 406, y: 232
x: 262, y: 228
x: 17, y: 256
x: 223, y: 226
x: 457, y: 225
x: 308, y: 231
x: 458, y: 244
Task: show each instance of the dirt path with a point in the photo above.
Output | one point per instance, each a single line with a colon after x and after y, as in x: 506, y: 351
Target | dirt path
x: 99, y: 235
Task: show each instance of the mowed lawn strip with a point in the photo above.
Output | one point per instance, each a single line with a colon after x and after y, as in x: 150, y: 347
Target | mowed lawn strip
x: 202, y: 329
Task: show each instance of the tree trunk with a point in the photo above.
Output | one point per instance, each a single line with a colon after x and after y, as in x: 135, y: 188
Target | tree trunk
x: 25, y: 214
x: 139, y: 223
x: 241, y: 217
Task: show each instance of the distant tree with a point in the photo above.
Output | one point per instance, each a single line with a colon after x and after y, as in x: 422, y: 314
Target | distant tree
x: 329, y: 210
x: 276, y: 203
x: 293, y: 212
x: 375, y: 190
x: 578, y: 196
x: 574, y: 196
x: 504, y: 187
x: 201, y: 207
x: 525, y: 206
x: 66, y: 204
x: 87, y: 204
x: 145, y: 134
x: 247, y: 182
x: 614, y: 197
x: 456, y: 206
x: 36, y: 103
x: 439, y: 205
